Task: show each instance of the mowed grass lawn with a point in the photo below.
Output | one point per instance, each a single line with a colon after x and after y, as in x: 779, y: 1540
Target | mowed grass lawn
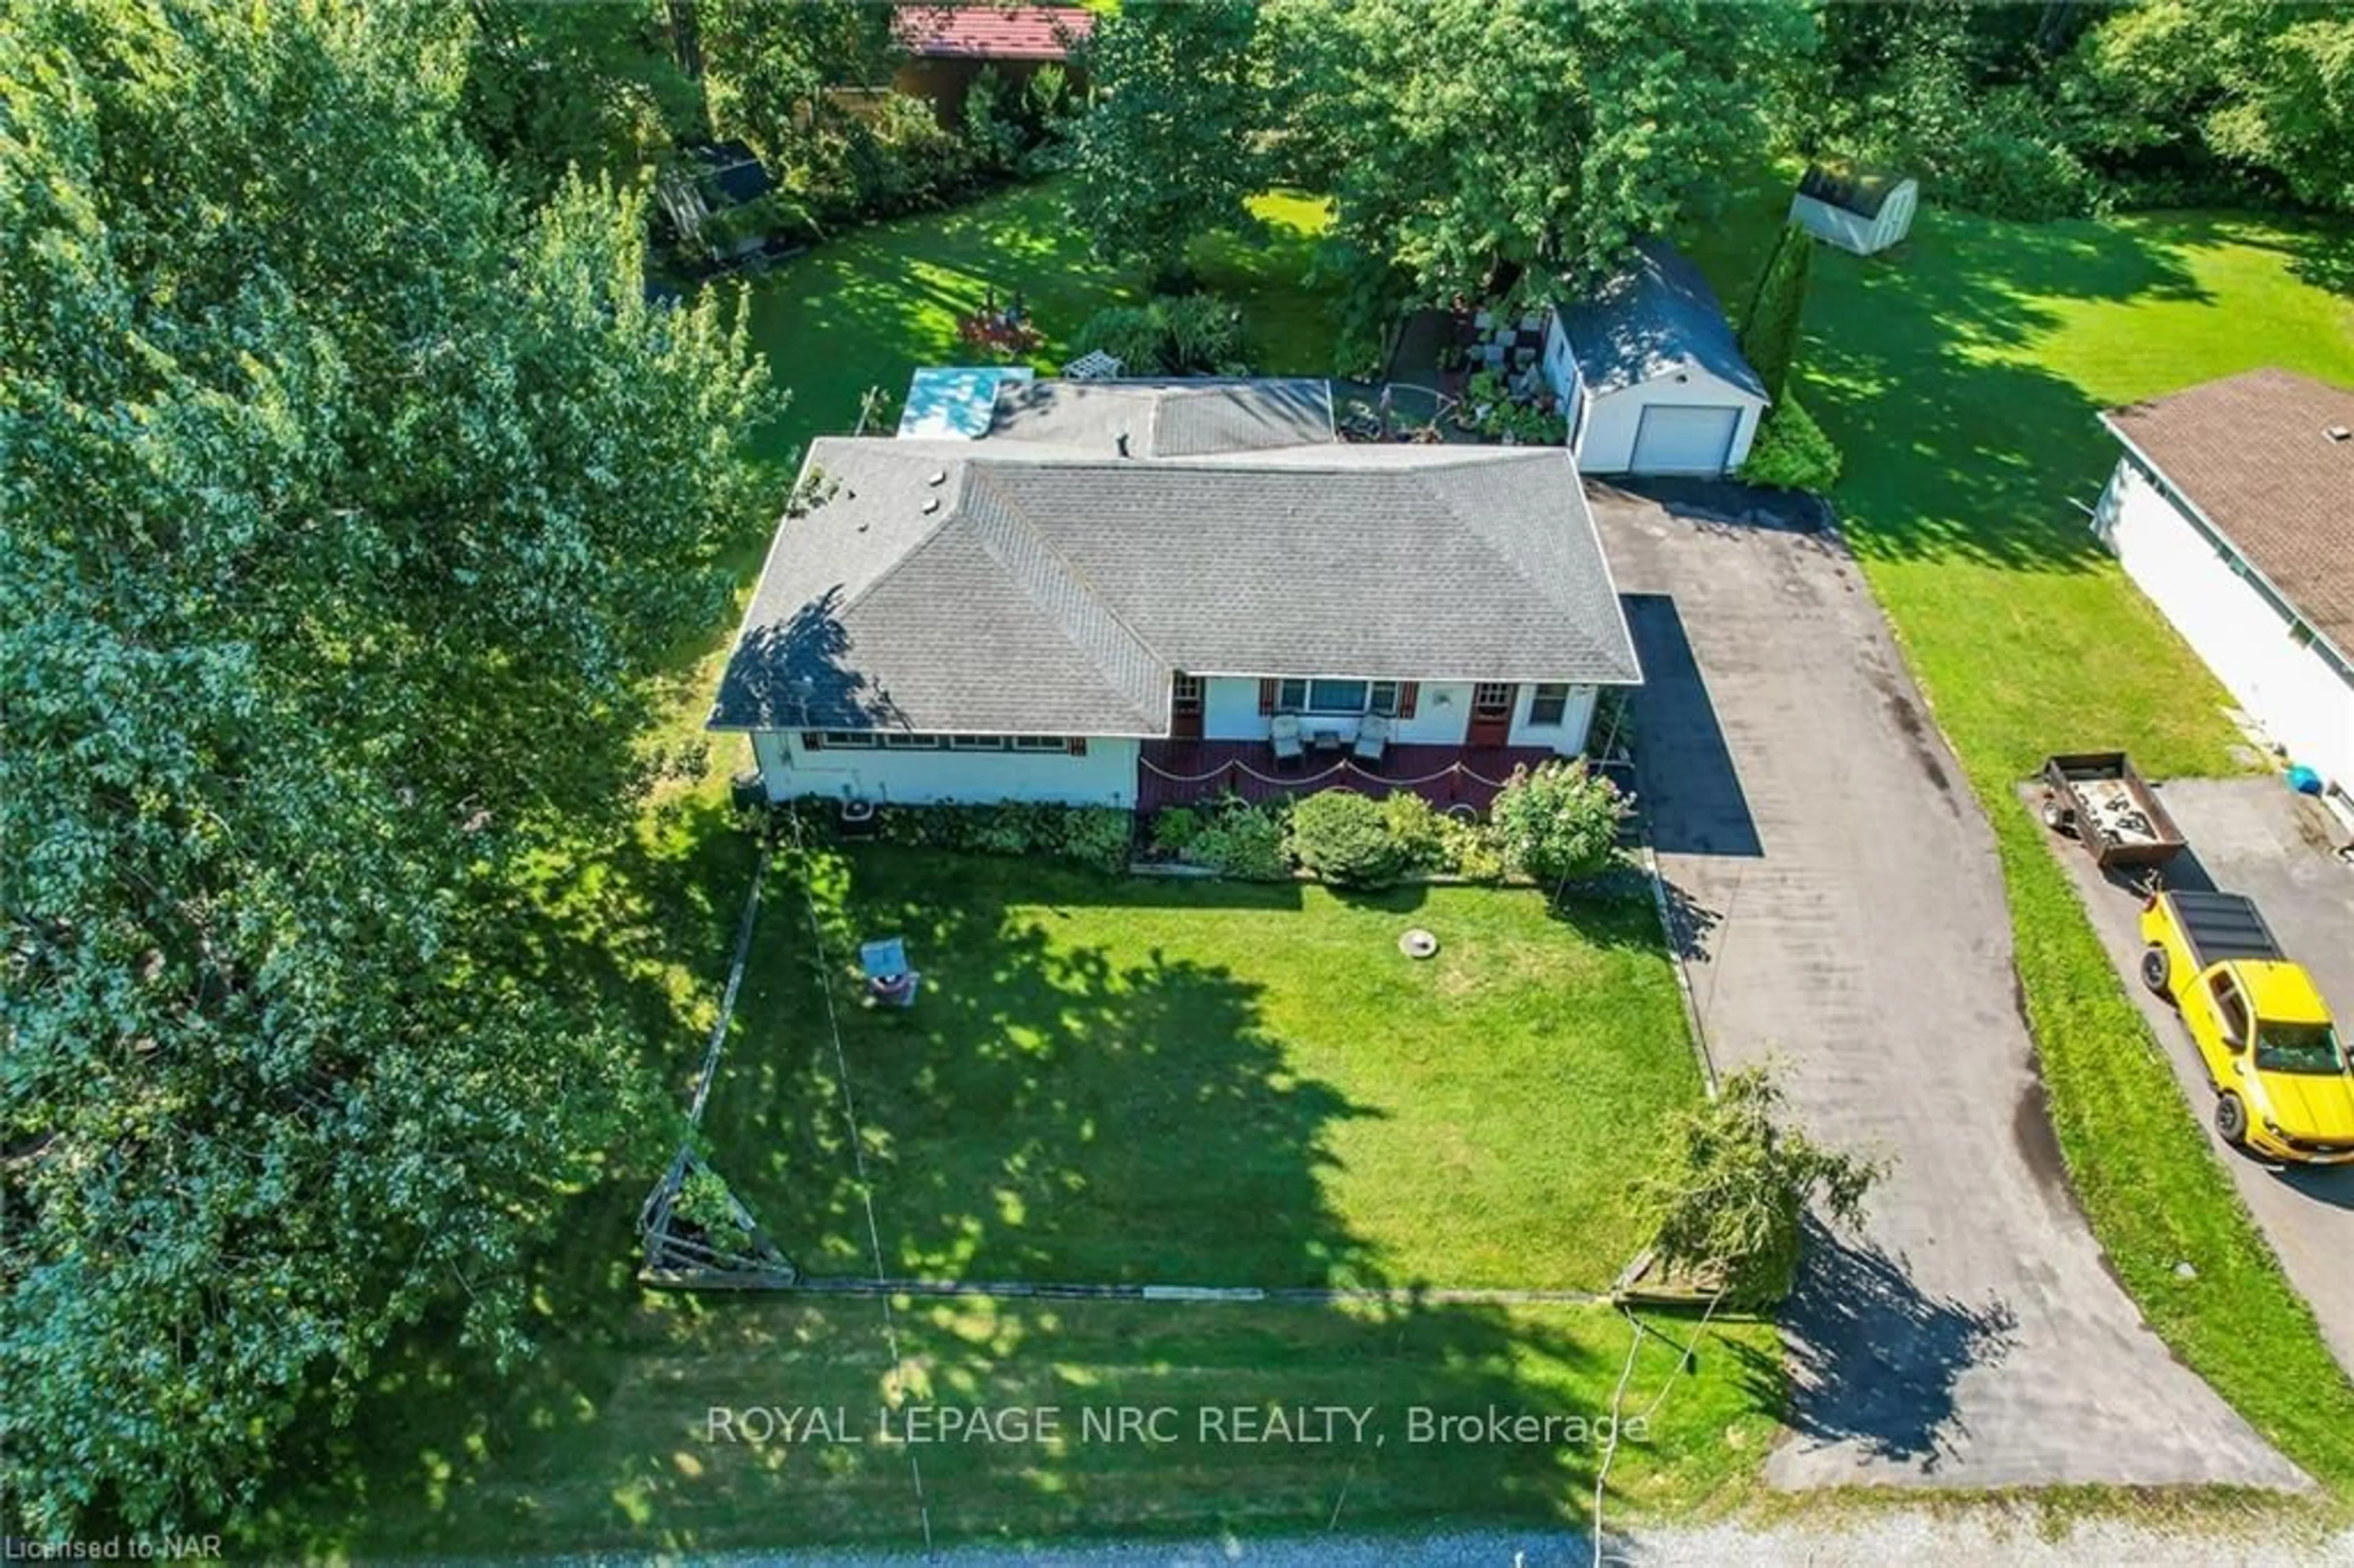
x: 605, y: 1443
x: 1158, y: 1078
x: 1961, y: 377
x: 1116, y: 1079
x: 870, y: 308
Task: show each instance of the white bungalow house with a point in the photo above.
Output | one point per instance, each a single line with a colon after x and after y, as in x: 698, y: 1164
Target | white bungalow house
x: 2233, y: 509
x: 1649, y: 374
x: 1857, y: 209
x: 1132, y: 593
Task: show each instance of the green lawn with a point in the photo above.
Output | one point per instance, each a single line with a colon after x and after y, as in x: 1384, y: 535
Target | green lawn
x: 602, y: 1442
x: 1961, y: 377
x: 866, y: 309
x: 1129, y: 1080
x: 1093, y: 1060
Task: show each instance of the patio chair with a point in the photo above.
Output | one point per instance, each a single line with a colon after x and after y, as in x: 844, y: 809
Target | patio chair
x: 1373, y: 737
x: 1284, y: 734
x: 889, y: 981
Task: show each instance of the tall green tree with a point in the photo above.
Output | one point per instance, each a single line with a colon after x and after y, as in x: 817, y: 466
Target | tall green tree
x: 2263, y: 87
x: 1170, y: 149
x: 1769, y: 328
x: 344, y: 502
x: 1465, y: 136
x: 767, y: 64
x: 553, y: 87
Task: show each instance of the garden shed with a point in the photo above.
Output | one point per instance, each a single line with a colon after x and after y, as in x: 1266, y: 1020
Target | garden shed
x: 1855, y: 209
x: 1649, y: 374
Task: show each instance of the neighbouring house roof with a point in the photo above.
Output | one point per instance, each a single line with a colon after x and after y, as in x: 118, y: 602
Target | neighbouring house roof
x: 2254, y: 454
x: 990, y: 32
x: 1165, y: 418
x: 1656, y: 317
x: 1838, y: 183
x: 956, y: 400
x: 1052, y: 591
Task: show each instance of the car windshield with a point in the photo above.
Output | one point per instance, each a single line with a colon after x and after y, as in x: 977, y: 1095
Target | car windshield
x: 2299, y: 1048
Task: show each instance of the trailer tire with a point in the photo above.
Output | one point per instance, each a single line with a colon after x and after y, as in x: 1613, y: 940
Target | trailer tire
x: 2056, y: 816
x: 2231, y: 1120
x: 2157, y: 969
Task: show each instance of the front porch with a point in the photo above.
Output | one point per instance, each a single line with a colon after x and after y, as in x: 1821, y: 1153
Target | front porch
x: 1179, y: 772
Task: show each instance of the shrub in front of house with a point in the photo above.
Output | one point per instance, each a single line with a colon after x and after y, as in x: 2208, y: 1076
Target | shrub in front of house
x: 1470, y: 849
x: 1174, y: 830
x: 1242, y: 841
x: 1098, y: 836
x: 1345, y: 838
x: 1791, y: 451
x: 1418, y: 831
x: 1558, y: 821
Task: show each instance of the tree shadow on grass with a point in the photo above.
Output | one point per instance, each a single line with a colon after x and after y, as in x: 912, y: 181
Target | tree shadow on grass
x: 1042, y: 1112
x: 1955, y: 447
x: 1042, y: 1104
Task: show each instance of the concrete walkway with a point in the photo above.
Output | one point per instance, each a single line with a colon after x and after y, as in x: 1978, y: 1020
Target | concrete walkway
x: 1842, y: 911
x: 2251, y: 836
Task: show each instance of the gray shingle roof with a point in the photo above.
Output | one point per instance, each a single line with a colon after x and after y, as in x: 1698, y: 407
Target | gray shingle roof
x: 1165, y: 418
x: 2254, y: 454
x: 1050, y: 593
x: 1655, y: 317
x: 1835, y: 182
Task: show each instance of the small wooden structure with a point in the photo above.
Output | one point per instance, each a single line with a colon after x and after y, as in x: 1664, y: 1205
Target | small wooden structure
x: 683, y: 1255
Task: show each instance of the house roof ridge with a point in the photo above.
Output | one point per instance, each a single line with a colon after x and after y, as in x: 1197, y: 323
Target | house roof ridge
x: 1136, y: 644
x: 916, y: 547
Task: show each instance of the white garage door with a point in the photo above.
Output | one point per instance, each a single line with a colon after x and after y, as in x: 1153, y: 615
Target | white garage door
x: 1684, y: 439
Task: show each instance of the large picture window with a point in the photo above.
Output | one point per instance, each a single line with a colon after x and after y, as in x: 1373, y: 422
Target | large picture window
x: 1298, y: 695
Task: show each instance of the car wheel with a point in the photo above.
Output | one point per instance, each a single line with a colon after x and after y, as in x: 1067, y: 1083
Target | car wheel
x: 2231, y: 1120
x: 2155, y: 968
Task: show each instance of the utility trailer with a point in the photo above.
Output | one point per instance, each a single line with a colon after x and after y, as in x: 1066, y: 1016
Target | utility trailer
x: 2110, y: 809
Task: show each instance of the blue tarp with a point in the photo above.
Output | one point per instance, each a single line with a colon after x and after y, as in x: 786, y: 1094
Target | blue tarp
x: 955, y: 400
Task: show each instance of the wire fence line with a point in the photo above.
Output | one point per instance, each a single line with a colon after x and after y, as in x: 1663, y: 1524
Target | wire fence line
x: 858, y: 1151
x: 1286, y: 780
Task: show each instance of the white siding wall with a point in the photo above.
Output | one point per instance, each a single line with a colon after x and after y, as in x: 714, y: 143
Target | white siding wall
x: 1230, y: 709
x: 2232, y: 623
x: 1106, y: 776
x: 1560, y: 364
x: 1607, y: 443
x: 1568, y: 737
x: 1853, y: 231
x: 1230, y: 712
x: 1848, y: 231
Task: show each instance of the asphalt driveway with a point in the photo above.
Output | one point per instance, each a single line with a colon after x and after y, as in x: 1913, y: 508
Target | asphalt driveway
x: 2251, y: 836
x: 1842, y: 912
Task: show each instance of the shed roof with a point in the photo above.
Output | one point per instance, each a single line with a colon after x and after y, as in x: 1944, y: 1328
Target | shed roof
x: 991, y: 32
x: 1656, y: 317
x: 1835, y: 182
x: 2255, y: 455
x: 1046, y: 592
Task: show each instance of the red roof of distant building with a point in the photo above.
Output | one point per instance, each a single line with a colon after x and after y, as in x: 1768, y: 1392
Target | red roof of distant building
x: 991, y: 33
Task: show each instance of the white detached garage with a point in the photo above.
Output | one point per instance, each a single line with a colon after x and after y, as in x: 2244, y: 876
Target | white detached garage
x: 1651, y: 376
